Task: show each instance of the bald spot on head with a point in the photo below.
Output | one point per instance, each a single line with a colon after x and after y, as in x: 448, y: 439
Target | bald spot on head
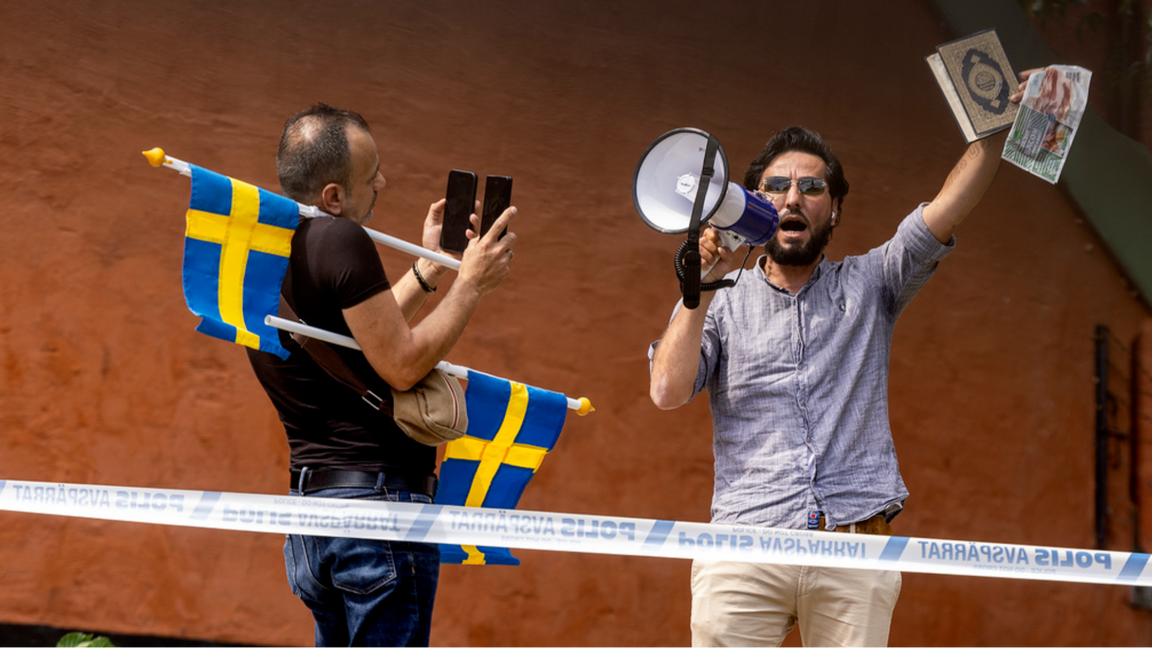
x: 314, y: 151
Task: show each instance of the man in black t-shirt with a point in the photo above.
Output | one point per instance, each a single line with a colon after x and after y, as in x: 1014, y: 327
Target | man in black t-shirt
x: 362, y: 592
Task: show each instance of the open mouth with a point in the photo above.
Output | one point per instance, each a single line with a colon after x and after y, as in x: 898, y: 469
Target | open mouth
x: 793, y: 225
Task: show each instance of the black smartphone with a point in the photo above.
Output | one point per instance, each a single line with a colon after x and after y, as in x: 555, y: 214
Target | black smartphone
x: 461, y: 200
x: 497, y: 198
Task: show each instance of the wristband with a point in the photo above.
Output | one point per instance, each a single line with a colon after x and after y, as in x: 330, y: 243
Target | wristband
x: 419, y: 277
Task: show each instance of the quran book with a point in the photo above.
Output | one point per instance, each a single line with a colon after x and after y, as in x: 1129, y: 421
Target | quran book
x: 976, y: 78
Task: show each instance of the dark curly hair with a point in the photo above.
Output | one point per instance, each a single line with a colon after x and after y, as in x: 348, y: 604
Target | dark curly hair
x: 798, y: 138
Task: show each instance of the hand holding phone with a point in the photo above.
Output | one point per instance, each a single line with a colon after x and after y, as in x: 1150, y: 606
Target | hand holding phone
x: 460, y: 201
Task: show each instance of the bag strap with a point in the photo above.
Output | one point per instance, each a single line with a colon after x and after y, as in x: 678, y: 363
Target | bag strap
x: 330, y: 361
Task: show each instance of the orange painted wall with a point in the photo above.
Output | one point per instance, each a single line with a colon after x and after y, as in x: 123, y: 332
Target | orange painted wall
x: 104, y: 381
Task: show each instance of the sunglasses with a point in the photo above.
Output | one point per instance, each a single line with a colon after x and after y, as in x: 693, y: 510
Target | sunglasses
x: 807, y: 186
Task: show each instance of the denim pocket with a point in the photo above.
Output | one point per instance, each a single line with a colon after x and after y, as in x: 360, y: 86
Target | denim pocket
x: 360, y: 566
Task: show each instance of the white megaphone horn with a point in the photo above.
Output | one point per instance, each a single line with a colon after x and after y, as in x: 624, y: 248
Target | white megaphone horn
x: 668, y: 179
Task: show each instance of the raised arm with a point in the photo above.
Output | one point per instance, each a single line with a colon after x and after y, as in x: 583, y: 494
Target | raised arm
x: 964, y: 187
x: 677, y: 357
x: 403, y: 355
x: 409, y: 292
x: 969, y: 180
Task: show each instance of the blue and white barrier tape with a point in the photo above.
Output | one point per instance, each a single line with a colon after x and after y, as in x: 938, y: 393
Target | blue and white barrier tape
x: 518, y: 529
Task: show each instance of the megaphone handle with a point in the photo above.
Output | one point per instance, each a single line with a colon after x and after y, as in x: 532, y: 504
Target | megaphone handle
x: 681, y: 272
x: 730, y: 240
x: 690, y: 283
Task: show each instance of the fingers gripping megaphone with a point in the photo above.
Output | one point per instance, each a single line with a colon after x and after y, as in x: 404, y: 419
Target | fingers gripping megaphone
x: 681, y: 183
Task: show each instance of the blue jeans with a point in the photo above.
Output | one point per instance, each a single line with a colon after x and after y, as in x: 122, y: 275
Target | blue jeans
x: 365, y: 592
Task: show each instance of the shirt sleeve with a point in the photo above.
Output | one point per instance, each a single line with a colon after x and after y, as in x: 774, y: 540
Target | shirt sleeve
x: 910, y: 259
x: 709, y: 351
x: 349, y: 264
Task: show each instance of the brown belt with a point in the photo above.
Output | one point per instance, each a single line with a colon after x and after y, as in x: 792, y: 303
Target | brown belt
x: 875, y: 525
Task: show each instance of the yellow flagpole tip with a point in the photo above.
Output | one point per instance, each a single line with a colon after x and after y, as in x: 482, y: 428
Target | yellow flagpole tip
x: 155, y: 157
x: 585, y: 407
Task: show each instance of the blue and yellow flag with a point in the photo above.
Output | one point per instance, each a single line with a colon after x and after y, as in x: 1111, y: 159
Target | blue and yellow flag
x: 235, y: 255
x: 510, y: 428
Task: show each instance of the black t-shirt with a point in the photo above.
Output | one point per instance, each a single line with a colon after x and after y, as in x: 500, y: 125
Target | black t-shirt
x: 334, y: 265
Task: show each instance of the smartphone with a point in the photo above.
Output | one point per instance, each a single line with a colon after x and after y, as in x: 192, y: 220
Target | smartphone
x: 461, y: 200
x: 497, y: 198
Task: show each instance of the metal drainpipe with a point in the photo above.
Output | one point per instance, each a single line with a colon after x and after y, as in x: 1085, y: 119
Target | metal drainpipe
x: 1101, y: 436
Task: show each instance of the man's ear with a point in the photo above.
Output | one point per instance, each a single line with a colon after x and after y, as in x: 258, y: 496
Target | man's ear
x: 332, y: 199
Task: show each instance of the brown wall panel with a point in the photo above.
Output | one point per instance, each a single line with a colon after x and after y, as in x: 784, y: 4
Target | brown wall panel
x: 104, y: 381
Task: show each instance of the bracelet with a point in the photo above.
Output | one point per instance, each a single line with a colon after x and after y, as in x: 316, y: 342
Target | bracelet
x: 419, y: 277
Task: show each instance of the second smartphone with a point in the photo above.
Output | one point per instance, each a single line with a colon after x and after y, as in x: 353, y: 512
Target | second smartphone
x: 497, y: 198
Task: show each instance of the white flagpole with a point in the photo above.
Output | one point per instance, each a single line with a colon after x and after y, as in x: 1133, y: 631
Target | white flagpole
x: 157, y: 158
x: 581, y: 406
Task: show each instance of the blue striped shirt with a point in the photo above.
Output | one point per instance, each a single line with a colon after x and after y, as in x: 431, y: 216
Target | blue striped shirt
x: 798, y: 386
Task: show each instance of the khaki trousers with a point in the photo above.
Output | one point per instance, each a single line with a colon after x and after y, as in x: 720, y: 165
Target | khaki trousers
x: 750, y: 604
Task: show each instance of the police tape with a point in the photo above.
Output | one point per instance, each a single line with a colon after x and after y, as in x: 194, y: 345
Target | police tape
x: 518, y: 529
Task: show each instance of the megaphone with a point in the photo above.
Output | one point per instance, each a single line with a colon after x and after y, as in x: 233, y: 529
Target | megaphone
x: 681, y: 183
x: 668, y: 179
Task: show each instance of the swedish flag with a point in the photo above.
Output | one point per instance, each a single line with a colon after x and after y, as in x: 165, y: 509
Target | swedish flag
x: 236, y: 251
x: 511, y: 427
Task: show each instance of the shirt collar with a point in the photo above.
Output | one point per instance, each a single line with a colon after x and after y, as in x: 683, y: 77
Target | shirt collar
x: 816, y: 273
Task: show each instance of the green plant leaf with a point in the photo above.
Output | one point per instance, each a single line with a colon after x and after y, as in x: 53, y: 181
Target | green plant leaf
x: 83, y: 640
x: 73, y: 639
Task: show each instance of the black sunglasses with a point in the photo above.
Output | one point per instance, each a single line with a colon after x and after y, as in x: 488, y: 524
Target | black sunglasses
x: 807, y: 186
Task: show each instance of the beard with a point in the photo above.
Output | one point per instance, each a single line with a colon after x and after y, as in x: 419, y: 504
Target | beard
x: 800, y: 255
x: 368, y: 216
